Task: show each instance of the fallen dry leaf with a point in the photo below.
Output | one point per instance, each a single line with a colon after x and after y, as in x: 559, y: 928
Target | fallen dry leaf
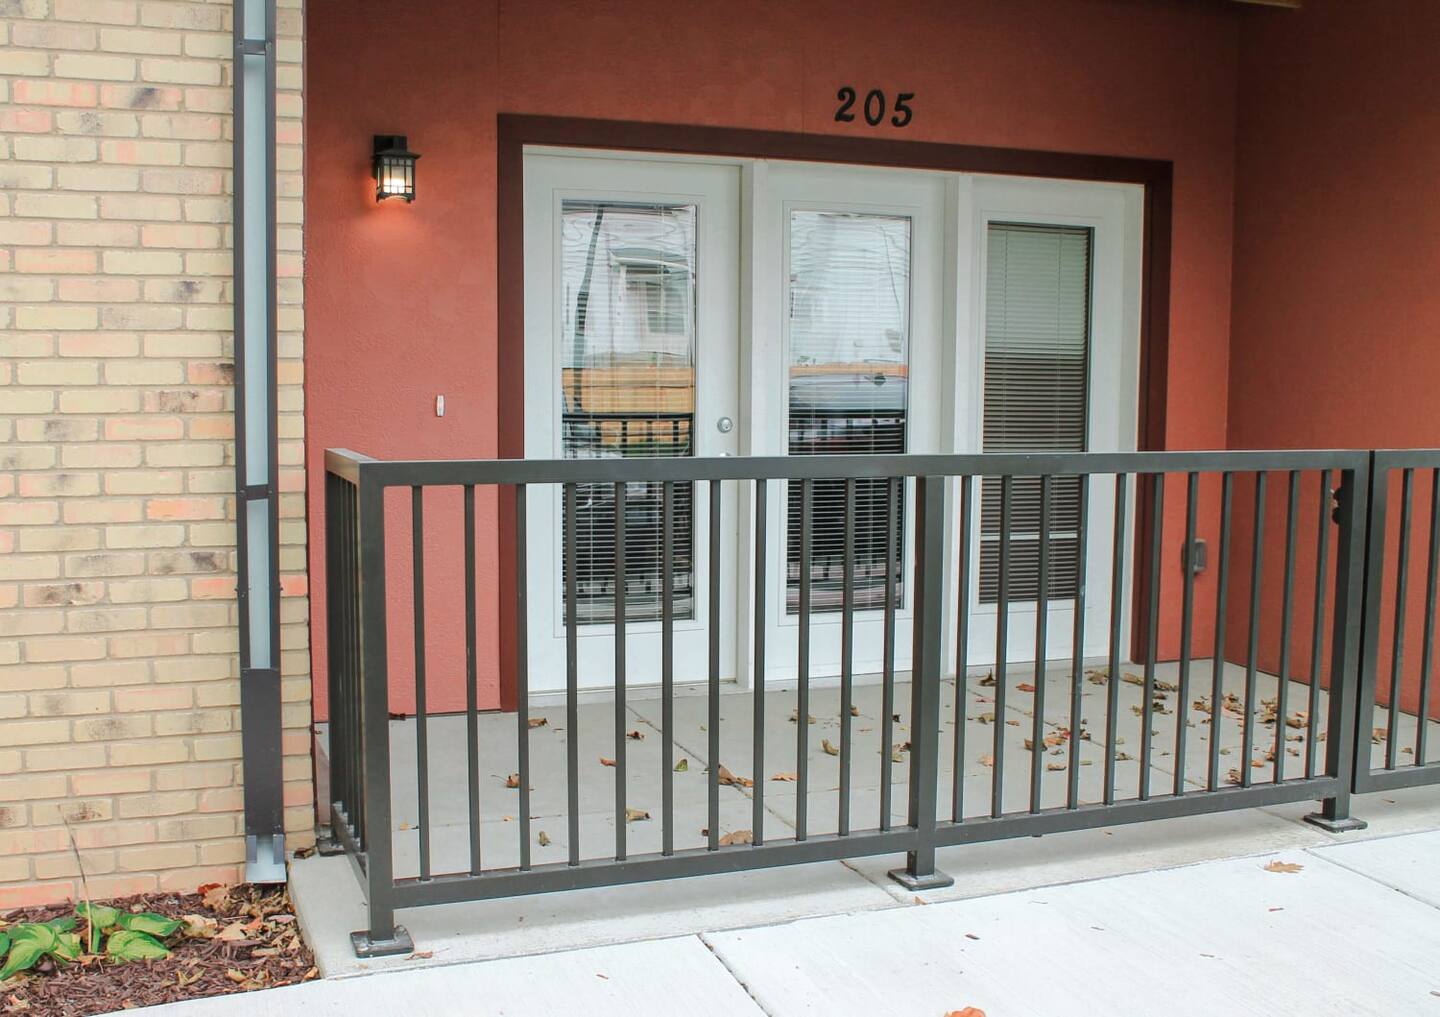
x: 795, y: 717
x: 635, y: 736
x: 969, y: 1011
x: 854, y: 710
x: 730, y: 780
x: 635, y: 815
x: 738, y: 837
x: 1279, y: 866
x: 543, y: 839
x: 987, y: 760
x: 785, y: 778
x: 829, y: 747
x: 682, y: 766
x: 606, y: 762
x: 512, y: 781
x: 1025, y: 687
x: 422, y: 955
x: 538, y: 721
x: 233, y: 932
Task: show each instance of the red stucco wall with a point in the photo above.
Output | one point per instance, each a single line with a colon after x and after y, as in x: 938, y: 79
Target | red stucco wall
x: 400, y: 300
x: 1337, y: 247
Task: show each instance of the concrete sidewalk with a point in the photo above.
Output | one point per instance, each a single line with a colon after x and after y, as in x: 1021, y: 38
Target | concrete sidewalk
x: 1355, y: 929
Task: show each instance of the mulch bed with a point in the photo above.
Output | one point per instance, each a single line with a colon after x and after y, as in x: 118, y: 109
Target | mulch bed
x: 236, y: 938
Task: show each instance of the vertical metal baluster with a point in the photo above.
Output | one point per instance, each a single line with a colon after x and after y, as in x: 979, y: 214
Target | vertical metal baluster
x: 802, y: 688
x: 1397, y: 647
x: 667, y: 667
x: 1042, y: 654
x: 1152, y: 626
x: 1287, y: 607
x: 1002, y: 634
x: 887, y: 666
x: 334, y: 671
x: 422, y: 743
x: 620, y: 612
x: 1117, y: 599
x: 757, y: 766
x: 353, y: 702
x: 847, y: 653
x: 713, y: 728
x: 1257, y: 573
x: 962, y: 654
x: 1077, y: 646
x: 1427, y: 646
x: 1217, y: 679
x: 472, y: 704
x: 1317, y: 638
x: 522, y: 665
x: 1187, y: 630
x: 357, y: 770
x: 572, y: 679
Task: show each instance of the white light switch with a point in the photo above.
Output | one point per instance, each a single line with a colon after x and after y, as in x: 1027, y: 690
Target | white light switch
x: 439, y: 406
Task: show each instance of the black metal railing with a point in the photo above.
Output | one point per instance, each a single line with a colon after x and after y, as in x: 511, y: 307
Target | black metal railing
x: 1071, y: 738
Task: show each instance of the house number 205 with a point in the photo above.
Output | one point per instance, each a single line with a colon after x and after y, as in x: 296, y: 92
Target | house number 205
x: 873, y: 108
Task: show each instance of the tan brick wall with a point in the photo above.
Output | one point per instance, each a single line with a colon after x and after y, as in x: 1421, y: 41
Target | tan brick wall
x: 119, y: 691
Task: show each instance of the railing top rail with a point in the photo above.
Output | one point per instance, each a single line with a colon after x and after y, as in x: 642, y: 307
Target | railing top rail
x: 422, y: 472
x: 1407, y: 458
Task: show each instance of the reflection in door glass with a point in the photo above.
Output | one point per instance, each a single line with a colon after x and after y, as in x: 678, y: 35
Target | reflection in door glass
x: 849, y: 317
x: 628, y: 389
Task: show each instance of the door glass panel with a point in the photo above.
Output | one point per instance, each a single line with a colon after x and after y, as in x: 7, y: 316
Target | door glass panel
x: 628, y: 389
x: 1037, y: 353
x: 849, y: 319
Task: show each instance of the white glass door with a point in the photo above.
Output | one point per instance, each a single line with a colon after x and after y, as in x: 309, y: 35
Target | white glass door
x: 631, y: 347
x: 853, y: 258
x: 1050, y: 364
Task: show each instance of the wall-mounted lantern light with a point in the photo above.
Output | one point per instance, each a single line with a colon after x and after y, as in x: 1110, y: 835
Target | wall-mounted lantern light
x: 394, y: 168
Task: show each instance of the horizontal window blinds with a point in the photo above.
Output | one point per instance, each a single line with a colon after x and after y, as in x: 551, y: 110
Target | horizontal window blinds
x: 849, y: 318
x: 1037, y: 351
x: 628, y: 389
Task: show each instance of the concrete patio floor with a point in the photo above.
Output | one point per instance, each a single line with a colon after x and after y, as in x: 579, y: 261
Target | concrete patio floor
x: 331, y: 903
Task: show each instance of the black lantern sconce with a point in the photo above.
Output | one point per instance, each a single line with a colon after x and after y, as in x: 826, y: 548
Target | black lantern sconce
x: 394, y: 168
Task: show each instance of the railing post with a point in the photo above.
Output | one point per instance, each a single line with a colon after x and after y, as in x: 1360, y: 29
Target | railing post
x: 926, y: 670
x: 383, y: 937
x: 1360, y: 511
x: 328, y: 843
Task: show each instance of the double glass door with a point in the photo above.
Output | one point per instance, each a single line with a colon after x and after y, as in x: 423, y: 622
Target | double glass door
x: 680, y: 307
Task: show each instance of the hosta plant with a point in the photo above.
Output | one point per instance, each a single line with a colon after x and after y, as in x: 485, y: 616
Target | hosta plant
x: 119, y: 935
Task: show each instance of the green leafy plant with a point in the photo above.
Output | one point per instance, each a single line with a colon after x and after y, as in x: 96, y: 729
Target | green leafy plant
x: 124, y: 937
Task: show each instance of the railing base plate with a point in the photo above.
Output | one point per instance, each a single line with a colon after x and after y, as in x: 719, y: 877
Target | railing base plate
x: 397, y: 944
x: 930, y: 881
x: 328, y: 846
x: 1345, y: 825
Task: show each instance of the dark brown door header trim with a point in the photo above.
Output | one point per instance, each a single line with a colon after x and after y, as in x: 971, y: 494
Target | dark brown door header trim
x: 745, y: 143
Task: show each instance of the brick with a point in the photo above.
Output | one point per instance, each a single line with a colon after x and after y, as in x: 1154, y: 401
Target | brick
x: 58, y: 206
x: 113, y: 12
x: 143, y: 263
x: 56, y: 318
x: 30, y: 92
x: 37, y: 732
x: 127, y: 40
x: 52, y: 262
x: 94, y: 67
